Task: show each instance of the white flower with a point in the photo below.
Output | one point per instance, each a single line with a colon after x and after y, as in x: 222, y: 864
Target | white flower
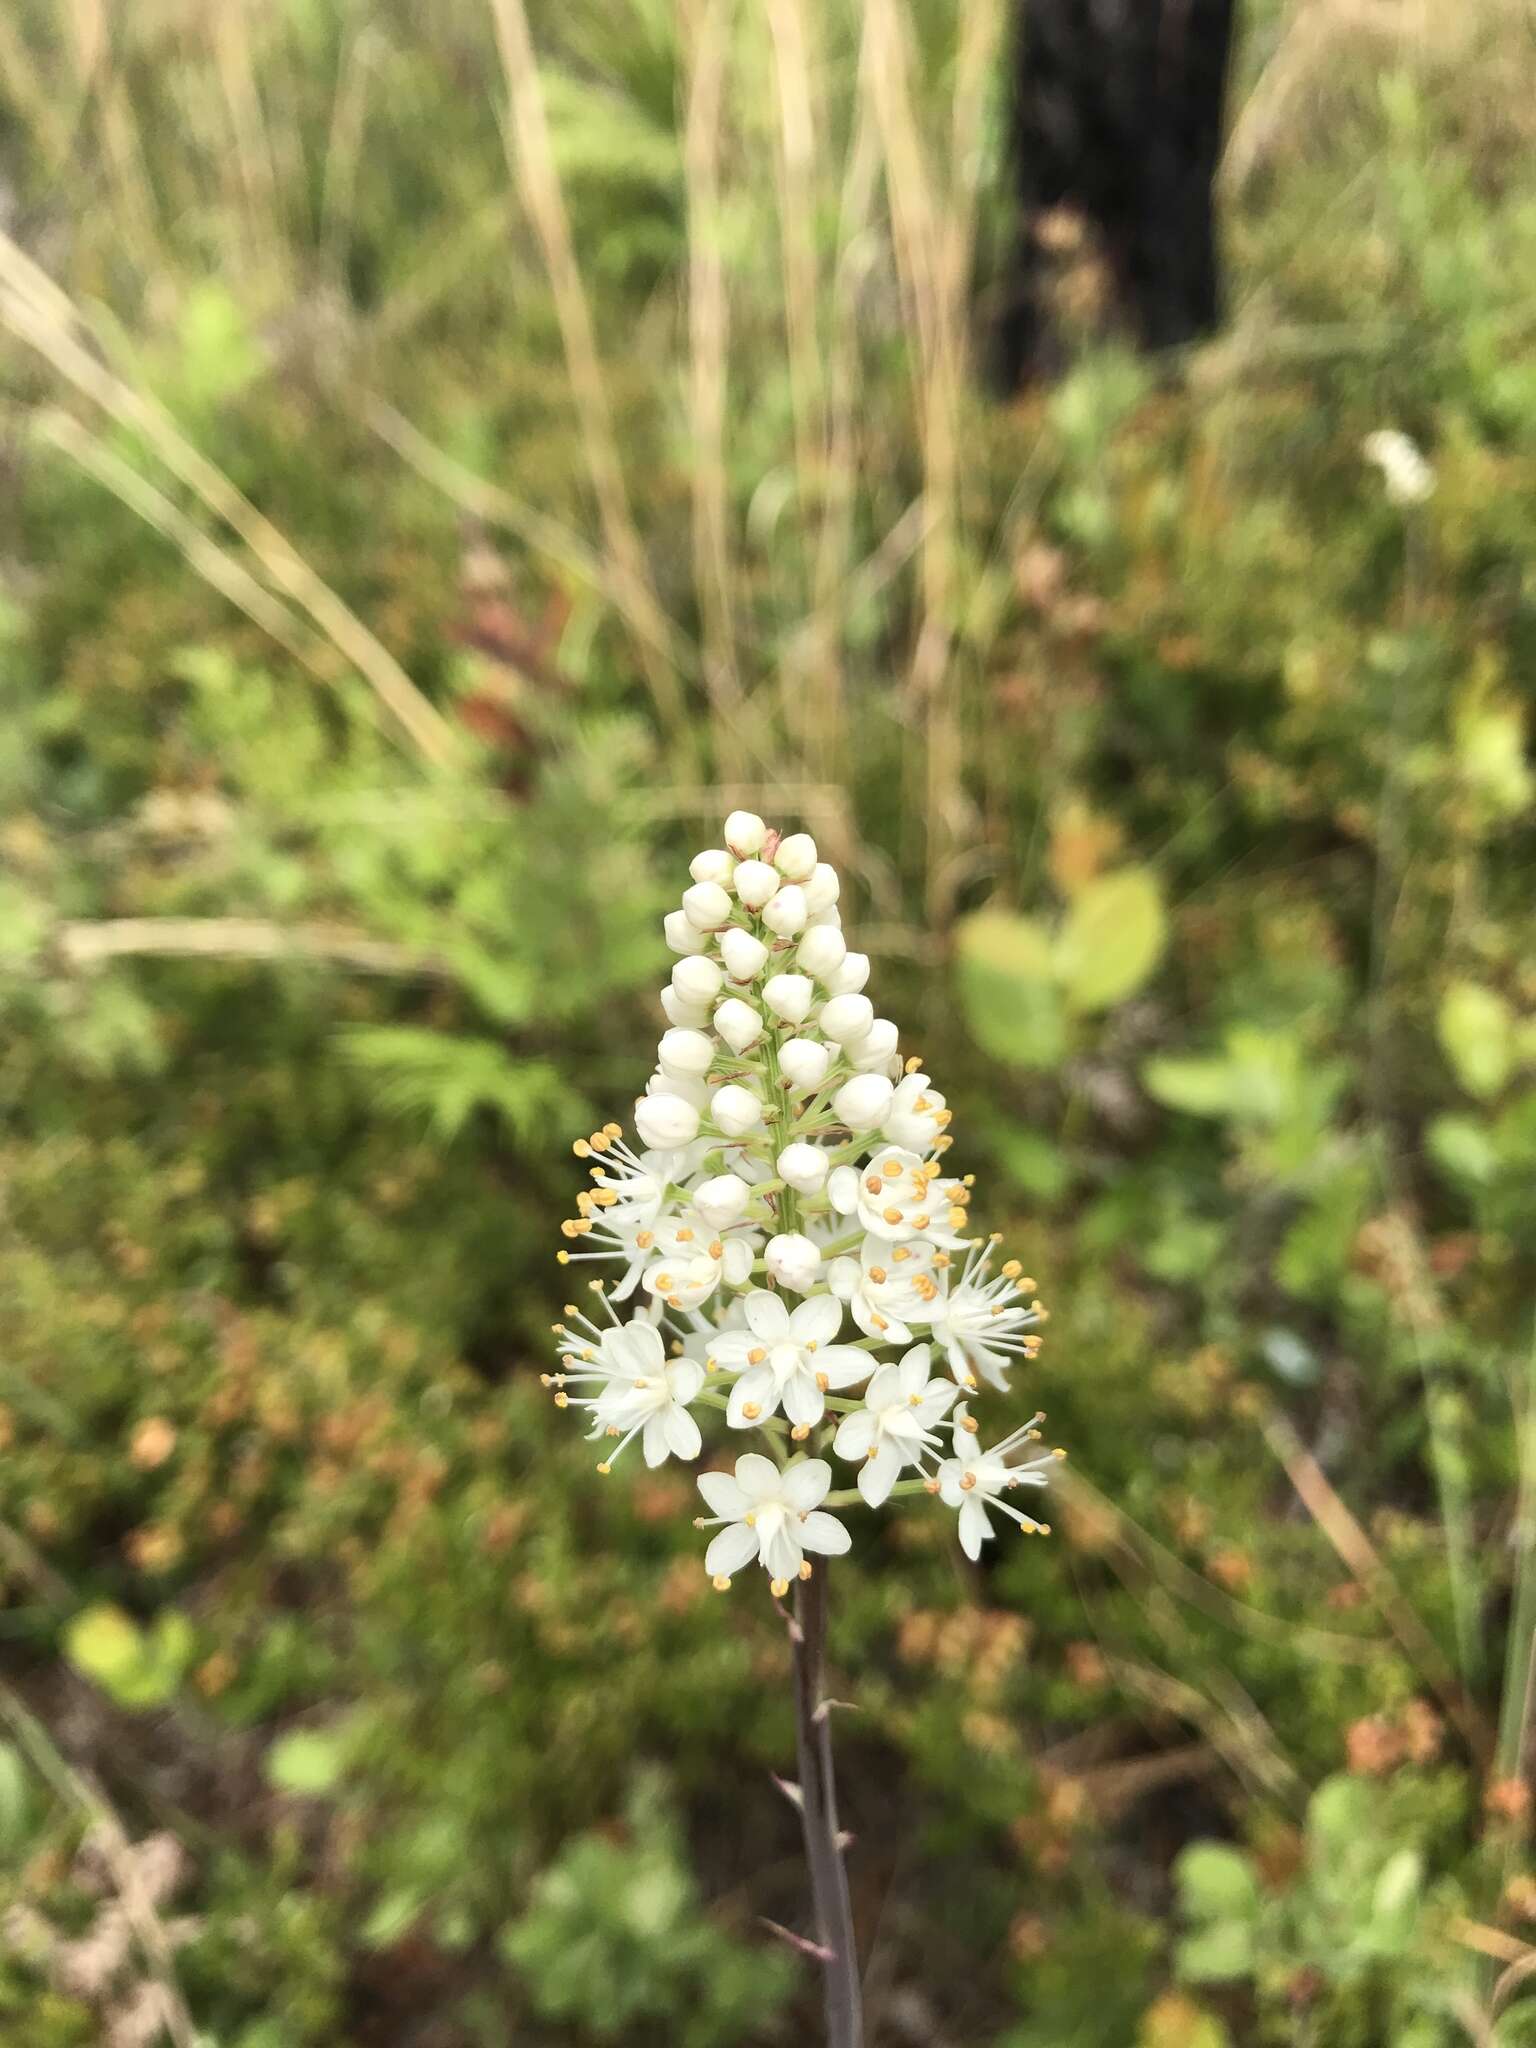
x: 681, y: 934
x: 876, y: 1050
x: 793, y: 1261
x: 821, y: 888
x: 843, y: 1018
x: 895, y: 1426
x: 722, y: 1200
x: 900, y: 1197
x: 640, y: 1391
x: 685, y: 1052
x: 736, y: 1110
x: 985, y: 1322
x: 973, y: 1480
x: 804, y: 1063
x: 917, y: 1116
x: 696, y: 979
x: 744, y: 956
x: 1408, y: 477
x: 802, y: 1167
x: 616, y: 1219
x: 890, y: 1286
x: 713, y: 865
x: 706, y: 906
x: 795, y: 857
x: 771, y: 1514
x: 688, y: 1259
x: 785, y: 911
x: 738, y: 1024
x: 848, y: 979
x: 666, y: 1121
x: 789, y: 996
x: 862, y: 1102
x: 822, y: 951
x: 685, y: 1015
x: 755, y: 883
x: 744, y: 833
x: 786, y: 1357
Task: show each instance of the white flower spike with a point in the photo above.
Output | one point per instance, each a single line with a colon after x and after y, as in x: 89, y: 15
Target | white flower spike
x: 790, y: 1179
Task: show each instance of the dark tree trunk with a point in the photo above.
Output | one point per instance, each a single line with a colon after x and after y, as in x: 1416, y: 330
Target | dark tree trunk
x: 1116, y: 130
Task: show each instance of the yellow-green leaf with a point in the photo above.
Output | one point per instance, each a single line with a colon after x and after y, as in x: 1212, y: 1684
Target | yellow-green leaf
x: 1112, y: 939
x: 1007, y: 990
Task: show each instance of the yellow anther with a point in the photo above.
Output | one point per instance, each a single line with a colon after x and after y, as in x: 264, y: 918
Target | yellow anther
x: 891, y: 1215
x: 778, y: 1588
x: 605, y: 1468
x: 800, y: 1432
x: 920, y: 1222
x: 685, y: 1236
x: 562, y: 1400
x: 751, y: 1410
x: 930, y: 1486
x: 644, y: 1239
x: 872, y: 1183
x: 1011, y: 1269
x: 756, y: 1355
x: 613, y: 1130
x: 582, y: 1149
x: 721, y: 1583
x: 970, y: 1424
x: 562, y: 1258
x: 877, y: 1274
x: 967, y: 1481
x: 914, y: 1065
x: 717, y: 1250
x: 806, y: 1568
x: 1058, y: 1452
x: 663, y: 1283
x: 823, y: 1382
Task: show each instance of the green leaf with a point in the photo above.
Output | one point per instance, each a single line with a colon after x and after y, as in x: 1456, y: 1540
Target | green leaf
x: 1200, y: 1087
x: 308, y: 1762
x: 1477, y: 1032
x: 1007, y: 989
x: 1216, y: 1954
x: 1216, y: 1882
x: 1032, y: 1163
x: 1462, y: 1148
x: 15, y: 1799
x: 137, y: 1668
x: 1112, y: 939
x: 1342, y: 1813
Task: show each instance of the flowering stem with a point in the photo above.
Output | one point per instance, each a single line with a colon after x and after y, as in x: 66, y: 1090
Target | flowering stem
x: 818, y: 1814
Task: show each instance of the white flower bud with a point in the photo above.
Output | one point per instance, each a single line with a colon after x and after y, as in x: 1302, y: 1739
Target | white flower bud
x: 738, y: 1024
x: 821, y: 888
x: 697, y: 980
x: 685, y: 1015
x: 736, y: 1110
x: 876, y: 1048
x: 793, y: 1261
x: 803, y: 1168
x: 681, y: 935
x: 862, y: 1102
x: 755, y: 883
x: 848, y: 979
x: 714, y: 866
x: 706, y: 906
x: 744, y: 956
x: 843, y: 1019
x: 722, y: 1201
x: 789, y: 996
x: 784, y: 912
x: 666, y: 1121
x: 822, y: 951
x: 796, y: 856
x: 804, y: 1063
x: 744, y: 833
x: 843, y: 1189
x: 686, y: 1052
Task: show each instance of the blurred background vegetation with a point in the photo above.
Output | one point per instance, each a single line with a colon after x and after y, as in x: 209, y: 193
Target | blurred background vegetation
x: 437, y: 485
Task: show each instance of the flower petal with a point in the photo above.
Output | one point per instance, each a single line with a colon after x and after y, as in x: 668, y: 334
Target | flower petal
x: 767, y: 1317
x: 730, y: 1550
x: 639, y: 1345
x: 723, y: 1494
x: 783, y: 1554
x: 803, y: 1399
x: 804, y: 1483
x: 885, y: 1389
x: 816, y: 1320
x: 757, y: 1388
x: 682, y: 1432
x: 843, y: 1364
x: 824, y: 1533
x: 975, y: 1526
x: 879, y: 1475
x: 855, y: 1434
x: 685, y: 1376
x: 758, y: 1477
x: 914, y: 1370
